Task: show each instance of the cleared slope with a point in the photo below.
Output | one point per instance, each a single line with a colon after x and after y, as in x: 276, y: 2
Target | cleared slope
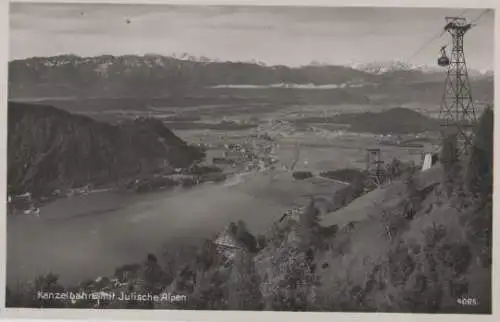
x: 370, y: 204
x: 384, y: 262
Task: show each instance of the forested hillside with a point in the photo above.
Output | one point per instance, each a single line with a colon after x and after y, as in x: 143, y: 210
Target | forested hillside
x: 51, y: 149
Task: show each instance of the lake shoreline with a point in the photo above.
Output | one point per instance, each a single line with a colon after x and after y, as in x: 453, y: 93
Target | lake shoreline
x: 102, y: 231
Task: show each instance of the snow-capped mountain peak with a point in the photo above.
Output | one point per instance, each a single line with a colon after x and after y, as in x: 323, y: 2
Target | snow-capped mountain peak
x: 391, y: 66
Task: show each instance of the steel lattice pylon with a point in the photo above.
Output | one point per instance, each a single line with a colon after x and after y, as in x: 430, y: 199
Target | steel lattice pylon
x: 457, y: 111
x: 374, y: 166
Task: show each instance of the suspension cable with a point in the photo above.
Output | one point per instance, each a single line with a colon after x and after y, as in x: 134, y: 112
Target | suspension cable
x: 441, y: 33
x: 464, y: 12
x: 480, y: 16
x: 427, y: 43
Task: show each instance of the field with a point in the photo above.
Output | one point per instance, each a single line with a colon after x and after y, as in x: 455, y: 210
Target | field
x: 321, y: 145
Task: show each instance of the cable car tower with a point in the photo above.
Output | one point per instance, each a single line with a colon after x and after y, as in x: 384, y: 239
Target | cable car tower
x: 457, y: 113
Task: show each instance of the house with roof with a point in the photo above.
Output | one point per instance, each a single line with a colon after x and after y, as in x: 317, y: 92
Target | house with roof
x: 291, y: 214
x: 227, y: 244
x: 19, y: 204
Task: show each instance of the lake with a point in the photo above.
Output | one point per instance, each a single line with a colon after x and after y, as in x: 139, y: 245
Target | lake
x: 88, y: 236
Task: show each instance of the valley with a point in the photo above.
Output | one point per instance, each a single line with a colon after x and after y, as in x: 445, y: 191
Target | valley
x: 115, y: 228
x: 131, y: 162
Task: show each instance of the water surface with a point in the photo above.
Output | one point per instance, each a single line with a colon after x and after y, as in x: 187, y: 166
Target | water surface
x: 88, y: 236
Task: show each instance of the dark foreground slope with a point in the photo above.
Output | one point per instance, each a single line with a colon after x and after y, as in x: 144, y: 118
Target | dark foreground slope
x: 51, y: 149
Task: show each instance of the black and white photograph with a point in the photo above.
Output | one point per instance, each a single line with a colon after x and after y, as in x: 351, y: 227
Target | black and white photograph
x: 249, y: 158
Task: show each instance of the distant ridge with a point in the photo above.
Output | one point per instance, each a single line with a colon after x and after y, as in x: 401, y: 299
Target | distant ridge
x: 393, y: 121
x: 152, y: 76
x: 396, y: 120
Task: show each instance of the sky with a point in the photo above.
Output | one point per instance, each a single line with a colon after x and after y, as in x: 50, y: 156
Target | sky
x: 274, y: 35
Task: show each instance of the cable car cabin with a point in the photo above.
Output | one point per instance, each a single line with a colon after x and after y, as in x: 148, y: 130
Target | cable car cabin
x: 443, y: 61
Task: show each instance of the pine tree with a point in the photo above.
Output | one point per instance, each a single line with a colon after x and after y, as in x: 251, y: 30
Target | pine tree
x: 358, y: 187
x: 152, y: 273
x: 210, y: 292
x: 393, y: 169
x: 242, y: 233
x: 295, y: 288
x: 308, y: 225
x: 244, y: 285
x: 206, y: 256
x: 451, y: 162
x: 48, y: 283
x: 479, y: 176
x: 151, y: 279
x: 414, y: 198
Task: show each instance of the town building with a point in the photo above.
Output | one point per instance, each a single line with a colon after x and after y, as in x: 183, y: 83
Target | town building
x: 227, y: 244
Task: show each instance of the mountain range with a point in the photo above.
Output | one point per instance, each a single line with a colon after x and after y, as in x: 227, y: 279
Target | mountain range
x: 160, y: 76
x: 391, y: 66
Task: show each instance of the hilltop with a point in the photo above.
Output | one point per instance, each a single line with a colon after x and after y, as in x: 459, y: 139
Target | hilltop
x: 52, y: 149
x: 392, y: 121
